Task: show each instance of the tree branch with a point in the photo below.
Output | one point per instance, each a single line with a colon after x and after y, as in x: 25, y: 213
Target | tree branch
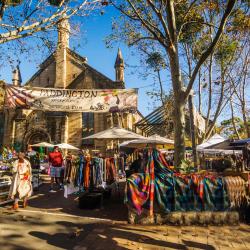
x: 212, y: 46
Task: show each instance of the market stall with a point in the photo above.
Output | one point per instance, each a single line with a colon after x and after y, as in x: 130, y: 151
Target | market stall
x: 163, y: 195
x: 5, y: 179
x: 215, y: 139
x: 92, y: 174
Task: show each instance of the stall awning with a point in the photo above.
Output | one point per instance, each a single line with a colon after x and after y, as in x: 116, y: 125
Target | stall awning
x: 214, y: 140
x: 115, y: 133
x: 153, y: 123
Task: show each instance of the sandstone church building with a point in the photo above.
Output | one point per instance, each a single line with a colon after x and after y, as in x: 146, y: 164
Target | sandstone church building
x: 64, y: 69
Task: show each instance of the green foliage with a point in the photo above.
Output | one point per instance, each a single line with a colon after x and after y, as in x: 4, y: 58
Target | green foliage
x: 186, y: 167
x: 225, y: 49
x: 156, y: 61
x: 190, y: 25
x: 226, y: 128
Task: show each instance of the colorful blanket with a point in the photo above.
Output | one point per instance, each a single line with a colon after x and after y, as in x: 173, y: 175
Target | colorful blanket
x: 163, y: 190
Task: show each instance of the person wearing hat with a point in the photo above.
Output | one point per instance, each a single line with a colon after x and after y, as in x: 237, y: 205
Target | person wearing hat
x: 56, y: 168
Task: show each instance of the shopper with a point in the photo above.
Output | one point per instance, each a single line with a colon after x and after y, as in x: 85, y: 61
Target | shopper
x: 21, y: 187
x: 56, y: 168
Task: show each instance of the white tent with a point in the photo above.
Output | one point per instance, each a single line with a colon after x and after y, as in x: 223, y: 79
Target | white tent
x: 152, y: 140
x: 114, y: 133
x: 215, y: 139
x: 43, y: 144
x: 66, y: 146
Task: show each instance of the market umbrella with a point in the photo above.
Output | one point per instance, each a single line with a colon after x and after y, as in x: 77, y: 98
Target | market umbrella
x: 43, y: 144
x: 152, y: 140
x: 66, y: 146
x: 114, y: 133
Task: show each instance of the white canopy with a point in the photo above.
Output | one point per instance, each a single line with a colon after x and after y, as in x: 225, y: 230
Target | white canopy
x: 43, y: 144
x: 67, y: 146
x: 154, y: 139
x: 115, y: 133
x: 221, y: 151
x: 215, y: 139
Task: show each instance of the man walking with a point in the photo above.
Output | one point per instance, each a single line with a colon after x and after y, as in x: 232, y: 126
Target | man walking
x: 56, y: 168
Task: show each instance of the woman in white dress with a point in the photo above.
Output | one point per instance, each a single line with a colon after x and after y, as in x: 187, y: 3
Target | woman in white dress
x: 21, y: 187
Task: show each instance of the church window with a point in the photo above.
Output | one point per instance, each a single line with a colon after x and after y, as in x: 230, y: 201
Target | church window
x: 87, y: 127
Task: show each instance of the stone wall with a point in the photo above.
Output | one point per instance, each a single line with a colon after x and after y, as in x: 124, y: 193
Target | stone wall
x: 75, y: 129
x: 184, y: 218
x: 46, y: 77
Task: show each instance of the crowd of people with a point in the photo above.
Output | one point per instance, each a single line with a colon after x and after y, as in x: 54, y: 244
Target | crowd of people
x: 58, y: 167
x: 22, y: 165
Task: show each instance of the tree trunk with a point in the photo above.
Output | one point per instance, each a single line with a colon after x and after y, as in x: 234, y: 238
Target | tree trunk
x: 179, y: 105
x: 246, y: 124
x: 179, y: 132
x: 161, y: 87
x: 200, y: 91
x: 210, y: 75
x: 233, y: 119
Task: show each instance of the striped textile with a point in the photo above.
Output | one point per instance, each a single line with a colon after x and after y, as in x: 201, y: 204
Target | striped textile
x: 163, y: 190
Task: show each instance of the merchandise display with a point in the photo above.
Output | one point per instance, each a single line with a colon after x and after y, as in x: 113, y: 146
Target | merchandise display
x: 5, y: 179
x: 163, y: 190
x: 87, y: 172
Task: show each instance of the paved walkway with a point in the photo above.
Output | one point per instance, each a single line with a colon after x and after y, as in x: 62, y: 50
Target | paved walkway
x: 53, y: 222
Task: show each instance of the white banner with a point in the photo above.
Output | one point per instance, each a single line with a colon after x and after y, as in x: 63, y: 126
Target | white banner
x: 71, y: 100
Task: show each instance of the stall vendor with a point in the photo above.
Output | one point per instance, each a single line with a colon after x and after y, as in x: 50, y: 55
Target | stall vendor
x: 21, y: 187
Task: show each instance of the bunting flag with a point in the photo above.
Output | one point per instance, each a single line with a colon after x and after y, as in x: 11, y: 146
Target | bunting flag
x: 71, y: 100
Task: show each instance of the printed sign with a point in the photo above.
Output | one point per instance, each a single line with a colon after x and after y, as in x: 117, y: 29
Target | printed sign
x: 71, y: 100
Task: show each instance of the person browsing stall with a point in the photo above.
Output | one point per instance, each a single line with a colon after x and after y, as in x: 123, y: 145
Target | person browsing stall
x: 56, y: 168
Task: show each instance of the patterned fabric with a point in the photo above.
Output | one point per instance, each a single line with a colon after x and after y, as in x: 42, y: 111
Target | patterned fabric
x: 163, y: 190
x: 98, y: 170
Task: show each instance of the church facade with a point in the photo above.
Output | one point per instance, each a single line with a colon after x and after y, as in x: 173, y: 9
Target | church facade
x: 65, y: 69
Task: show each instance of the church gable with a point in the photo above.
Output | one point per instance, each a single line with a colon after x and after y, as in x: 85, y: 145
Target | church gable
x: 79, y: 74
x: 91, y: 78
x: 45, y: 76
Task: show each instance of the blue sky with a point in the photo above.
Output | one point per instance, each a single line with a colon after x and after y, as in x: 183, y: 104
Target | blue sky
x: 95, y: 29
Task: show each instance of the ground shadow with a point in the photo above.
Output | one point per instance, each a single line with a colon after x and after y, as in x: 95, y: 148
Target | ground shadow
x: 113, y: 208
x: 103, y: 236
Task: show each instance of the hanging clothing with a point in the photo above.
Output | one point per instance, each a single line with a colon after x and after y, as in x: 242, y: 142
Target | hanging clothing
x: 98, y: 171
x: 110, y: 170
x: 87, y: 171
x: 79, y: 176
x: 21, y: 184
x: 68, y: 165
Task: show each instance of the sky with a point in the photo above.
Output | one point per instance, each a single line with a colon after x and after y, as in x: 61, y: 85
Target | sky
x: 96, y: 28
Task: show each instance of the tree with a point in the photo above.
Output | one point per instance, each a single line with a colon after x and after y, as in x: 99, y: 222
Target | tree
x: 157, y: 63
x: 239, y: 79
x: 31, y: 17
x: 29, y: 24
x: 165, y: 24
